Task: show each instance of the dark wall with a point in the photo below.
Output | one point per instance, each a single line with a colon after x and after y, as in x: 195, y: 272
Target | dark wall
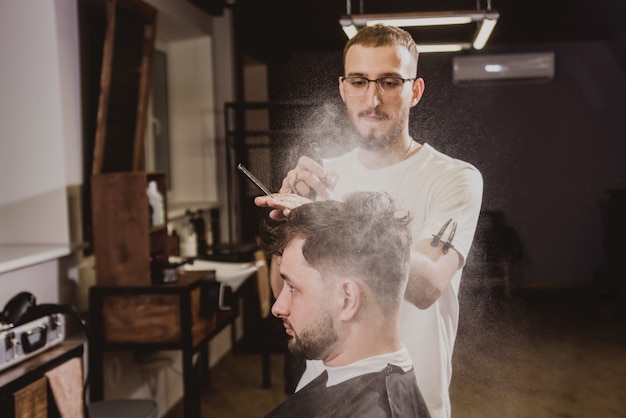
x: 548, y: 151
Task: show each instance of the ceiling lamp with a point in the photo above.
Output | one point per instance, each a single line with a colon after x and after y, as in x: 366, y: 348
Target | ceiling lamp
x: 486, y: 20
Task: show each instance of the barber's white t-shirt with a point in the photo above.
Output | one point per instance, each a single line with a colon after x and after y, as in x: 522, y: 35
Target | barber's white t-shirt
x: 434, y: 188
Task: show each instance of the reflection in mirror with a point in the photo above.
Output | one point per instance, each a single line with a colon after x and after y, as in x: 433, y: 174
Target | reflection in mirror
x: 158, y: 140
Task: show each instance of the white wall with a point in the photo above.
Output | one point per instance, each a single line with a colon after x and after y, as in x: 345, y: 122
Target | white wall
x: 40, y: 147
x: 40, y: 119
x: 38, y: 279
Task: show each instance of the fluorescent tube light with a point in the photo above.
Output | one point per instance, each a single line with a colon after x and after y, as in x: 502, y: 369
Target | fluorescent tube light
x: 484, y: 32
x: 421, y: 21
x: 424, y: 48
x: 487, y: 18
x: 349, y: 30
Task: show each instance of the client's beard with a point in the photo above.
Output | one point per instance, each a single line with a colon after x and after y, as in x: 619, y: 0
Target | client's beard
x: 314, y: 341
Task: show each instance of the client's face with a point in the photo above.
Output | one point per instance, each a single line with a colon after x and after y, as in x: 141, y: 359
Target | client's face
x: 302, y: 305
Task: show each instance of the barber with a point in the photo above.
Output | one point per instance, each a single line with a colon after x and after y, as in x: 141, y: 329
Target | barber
x: 379, y: 87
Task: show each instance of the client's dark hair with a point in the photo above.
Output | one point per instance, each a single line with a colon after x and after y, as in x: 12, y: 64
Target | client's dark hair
x: 364, y: 235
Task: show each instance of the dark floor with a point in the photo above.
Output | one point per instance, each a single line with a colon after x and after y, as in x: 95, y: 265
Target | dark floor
x: 540, y: 353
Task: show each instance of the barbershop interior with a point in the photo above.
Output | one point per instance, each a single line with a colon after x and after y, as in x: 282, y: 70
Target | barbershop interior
x: 137, y: 133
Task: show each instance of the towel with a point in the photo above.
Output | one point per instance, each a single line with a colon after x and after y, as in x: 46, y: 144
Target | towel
x: 263, y: 283
x: 230, y: 274
x: 66, y: 383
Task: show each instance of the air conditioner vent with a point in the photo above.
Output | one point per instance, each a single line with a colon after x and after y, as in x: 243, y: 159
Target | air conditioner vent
x: 523, y: 66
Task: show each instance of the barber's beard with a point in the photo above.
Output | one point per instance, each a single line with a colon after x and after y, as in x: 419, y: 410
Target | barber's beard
x: 314, y: 341
x: 375, y: 141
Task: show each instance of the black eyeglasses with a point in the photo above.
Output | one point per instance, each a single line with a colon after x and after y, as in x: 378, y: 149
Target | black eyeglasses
x: 388, y: 86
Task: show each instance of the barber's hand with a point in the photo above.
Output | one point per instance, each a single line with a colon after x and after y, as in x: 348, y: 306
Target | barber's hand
x: 282, y: 203
x: 309, y: 179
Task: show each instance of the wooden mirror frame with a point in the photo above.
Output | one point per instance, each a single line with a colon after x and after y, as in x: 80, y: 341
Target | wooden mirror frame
x: 124, y: 86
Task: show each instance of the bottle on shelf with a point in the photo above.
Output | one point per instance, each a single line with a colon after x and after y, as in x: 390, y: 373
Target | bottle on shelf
x: 200, y: 227
x: 188, y: 240
x: 155, y: 201
x: 157, y: 267
x: 173, y: 243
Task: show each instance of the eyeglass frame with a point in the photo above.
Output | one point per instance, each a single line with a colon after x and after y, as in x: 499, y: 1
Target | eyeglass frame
x: 377, y: 81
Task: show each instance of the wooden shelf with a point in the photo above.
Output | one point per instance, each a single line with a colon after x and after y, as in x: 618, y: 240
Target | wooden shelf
x: 174, y: 316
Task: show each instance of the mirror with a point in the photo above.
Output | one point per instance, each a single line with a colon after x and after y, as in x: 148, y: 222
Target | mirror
x: 158, y: 138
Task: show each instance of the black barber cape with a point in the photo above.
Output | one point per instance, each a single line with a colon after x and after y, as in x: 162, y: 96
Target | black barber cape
x: 385, y: 394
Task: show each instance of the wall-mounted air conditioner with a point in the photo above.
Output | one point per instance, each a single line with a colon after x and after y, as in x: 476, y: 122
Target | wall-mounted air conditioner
x: 522, y: 66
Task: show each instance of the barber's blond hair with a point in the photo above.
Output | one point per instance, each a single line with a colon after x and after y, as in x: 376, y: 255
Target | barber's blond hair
x: 383, y: 35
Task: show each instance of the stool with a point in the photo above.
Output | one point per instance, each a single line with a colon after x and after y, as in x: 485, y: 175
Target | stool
x: 123, y: 408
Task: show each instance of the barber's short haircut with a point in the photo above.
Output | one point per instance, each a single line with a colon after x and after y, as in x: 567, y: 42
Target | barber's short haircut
x: 365, y: 236
x: 383, y: 35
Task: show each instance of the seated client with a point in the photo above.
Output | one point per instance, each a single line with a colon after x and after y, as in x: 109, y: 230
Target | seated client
x: 345, y: 268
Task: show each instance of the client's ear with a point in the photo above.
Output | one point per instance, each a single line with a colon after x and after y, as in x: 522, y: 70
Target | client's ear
x: 351, y: 294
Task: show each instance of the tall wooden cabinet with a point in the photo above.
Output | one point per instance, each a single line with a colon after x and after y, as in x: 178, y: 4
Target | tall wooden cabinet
x: 124, y: 239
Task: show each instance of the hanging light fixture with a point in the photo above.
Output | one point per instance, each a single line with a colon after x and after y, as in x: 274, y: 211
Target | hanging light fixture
x: 486, y: 19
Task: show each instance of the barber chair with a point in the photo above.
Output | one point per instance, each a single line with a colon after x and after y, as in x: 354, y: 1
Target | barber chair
x: 122, y: 408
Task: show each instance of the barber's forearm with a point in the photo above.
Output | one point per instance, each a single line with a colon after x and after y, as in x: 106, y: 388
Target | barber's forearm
x: 430, y: 274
